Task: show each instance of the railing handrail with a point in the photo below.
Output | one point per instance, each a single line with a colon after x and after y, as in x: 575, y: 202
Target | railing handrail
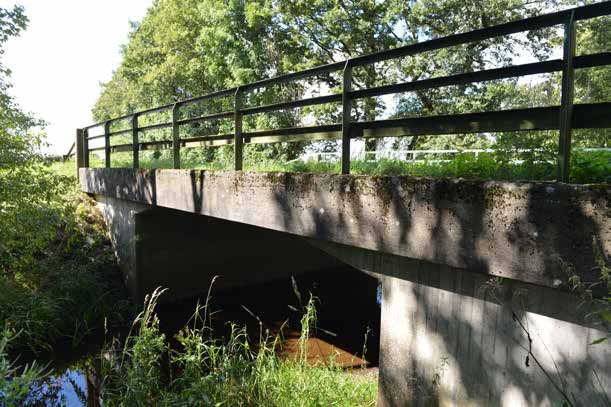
x: 350, y: 130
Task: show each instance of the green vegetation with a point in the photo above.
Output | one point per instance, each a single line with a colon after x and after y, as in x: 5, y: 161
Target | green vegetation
x: 56, y: 263
x: 183, y: 49
x: 58, y: 277
x: 587, y: 167
x: 206, y: 371
x: 16, y: 382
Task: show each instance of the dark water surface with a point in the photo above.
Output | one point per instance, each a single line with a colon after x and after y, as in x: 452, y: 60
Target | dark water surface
x: 347, y: 311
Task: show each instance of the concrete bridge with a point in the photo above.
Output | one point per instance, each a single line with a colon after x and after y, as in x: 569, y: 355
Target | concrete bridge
x: 459, y: 261
x: 477, y: 306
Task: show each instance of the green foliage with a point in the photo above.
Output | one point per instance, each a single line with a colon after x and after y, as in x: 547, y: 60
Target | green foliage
x: 57, y: 273
x: 16, y: 382
x: 55, y: 258
x: 587, y: 167
x: 187, y: 48
x: 18, y: 144
x: 235, y: 373
x: 591, y: 167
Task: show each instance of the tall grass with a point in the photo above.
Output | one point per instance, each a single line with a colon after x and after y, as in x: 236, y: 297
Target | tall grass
x: 58, y: 275
x: 586, y: 167
x: 230, y: 372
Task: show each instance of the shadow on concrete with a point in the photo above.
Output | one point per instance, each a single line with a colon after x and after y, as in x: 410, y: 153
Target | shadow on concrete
x: 477, y: 334
x: 472, y: 231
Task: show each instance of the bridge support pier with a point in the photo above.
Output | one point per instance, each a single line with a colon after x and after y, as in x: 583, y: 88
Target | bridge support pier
x: 452, y: 337
x: 183, y: 251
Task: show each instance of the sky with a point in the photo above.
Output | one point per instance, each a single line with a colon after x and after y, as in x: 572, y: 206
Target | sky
x: 58, y: 63
x: 68, y: 49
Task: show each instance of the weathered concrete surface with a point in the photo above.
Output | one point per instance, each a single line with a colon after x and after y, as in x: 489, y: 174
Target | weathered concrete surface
x: 120, y: 217
x: 449, y: 337
x: 531, y: 232
x: 183, y: 251
x: 551, y: 302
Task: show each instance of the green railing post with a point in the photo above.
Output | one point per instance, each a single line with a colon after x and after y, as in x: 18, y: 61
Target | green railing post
x: 86, y: 148
x: 566, y: 103
x: 80, y: 156
x: 176, y: 135
x: 107, y: 143
x: 346, y: 110
x: 238, y: 140
x: 135, y: 146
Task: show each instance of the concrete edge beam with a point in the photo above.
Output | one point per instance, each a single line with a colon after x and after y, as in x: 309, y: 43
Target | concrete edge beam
x: 536, y: 232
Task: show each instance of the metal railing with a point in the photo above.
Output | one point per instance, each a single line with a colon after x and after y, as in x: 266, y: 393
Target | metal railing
x: 563, y: 118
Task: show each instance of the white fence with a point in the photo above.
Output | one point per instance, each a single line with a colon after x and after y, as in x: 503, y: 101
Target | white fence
x: 431, y: 156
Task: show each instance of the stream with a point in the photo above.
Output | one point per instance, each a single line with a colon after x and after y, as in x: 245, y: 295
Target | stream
x: 347, y: 310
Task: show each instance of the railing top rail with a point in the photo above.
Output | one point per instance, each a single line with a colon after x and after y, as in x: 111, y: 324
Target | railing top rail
x: 532, y: 23
x: 527, y: 24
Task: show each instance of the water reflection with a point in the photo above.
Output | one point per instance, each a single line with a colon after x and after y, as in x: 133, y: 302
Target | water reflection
x: 69, y: 388
x: 72, y: 387
x: 347, y: 313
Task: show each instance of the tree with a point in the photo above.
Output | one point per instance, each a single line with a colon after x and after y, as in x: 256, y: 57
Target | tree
x: 186, y: 48
x: 18, y: 145
x: 591, y: 86
x: 25, y: 185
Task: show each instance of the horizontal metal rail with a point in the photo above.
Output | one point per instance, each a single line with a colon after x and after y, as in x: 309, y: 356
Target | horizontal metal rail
x: 528, y: 24
x: 214, y: 116
x: 595, y: 115
x: 318, y: 100
x: 333, y: 156
x: 555, y: 65
x: 545, y: 118
x: 587, y: 61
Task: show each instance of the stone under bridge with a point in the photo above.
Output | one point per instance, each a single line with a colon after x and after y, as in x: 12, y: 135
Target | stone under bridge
x: 464, y: 266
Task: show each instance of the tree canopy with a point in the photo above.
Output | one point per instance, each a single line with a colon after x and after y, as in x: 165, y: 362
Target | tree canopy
x: 184, y: 48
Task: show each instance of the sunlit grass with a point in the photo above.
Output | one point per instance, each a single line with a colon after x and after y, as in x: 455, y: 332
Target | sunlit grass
x: 586, y: 167
x: 235, y: 372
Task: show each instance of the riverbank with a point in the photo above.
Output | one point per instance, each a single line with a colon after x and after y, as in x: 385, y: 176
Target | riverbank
x: 59, y: 281
x: 63, y: 307
x: 259, y: 345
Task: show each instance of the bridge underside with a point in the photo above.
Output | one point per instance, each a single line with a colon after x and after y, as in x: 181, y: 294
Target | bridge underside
x: 184, y: 252
x: 467, y: 267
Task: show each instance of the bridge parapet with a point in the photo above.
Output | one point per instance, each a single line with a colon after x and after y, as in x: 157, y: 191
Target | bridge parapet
x: 532, y: 232
x: 562, y: 118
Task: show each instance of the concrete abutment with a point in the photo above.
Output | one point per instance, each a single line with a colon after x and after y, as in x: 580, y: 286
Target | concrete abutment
x: 452, y: 337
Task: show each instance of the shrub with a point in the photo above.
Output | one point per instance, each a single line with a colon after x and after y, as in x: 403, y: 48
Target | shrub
x: 54, y: 259
x: 16, y: 382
